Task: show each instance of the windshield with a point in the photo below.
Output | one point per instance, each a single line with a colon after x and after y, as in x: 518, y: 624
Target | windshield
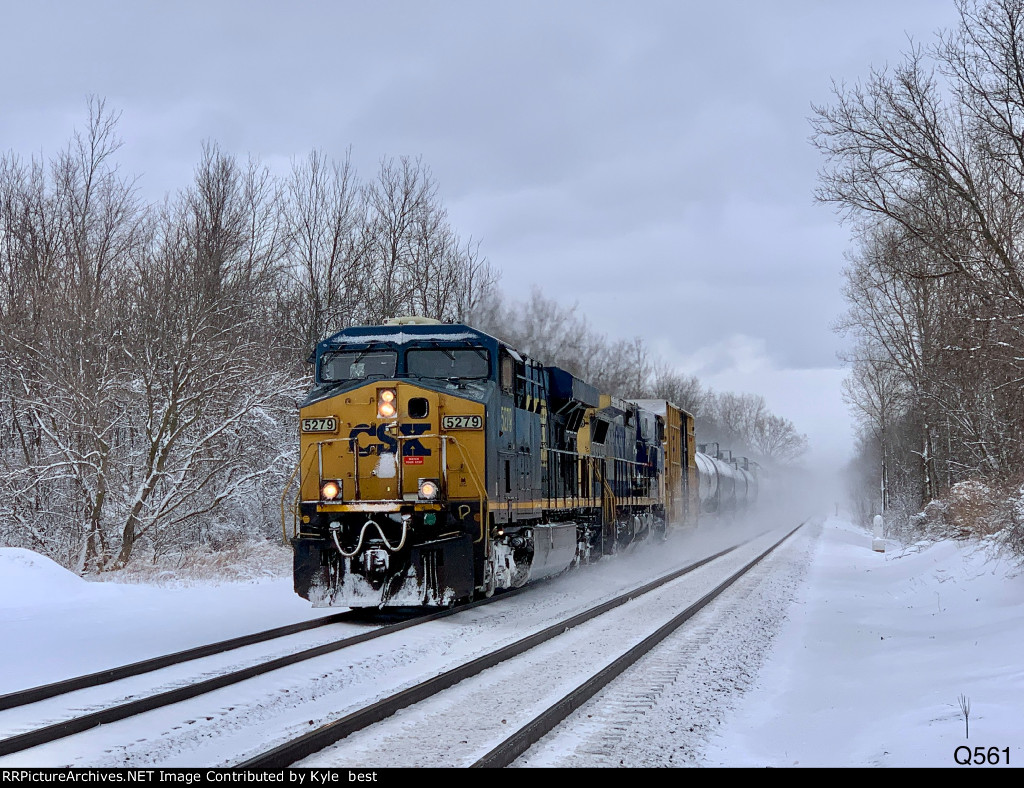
x: 356, y: 365
x: 448, y: 363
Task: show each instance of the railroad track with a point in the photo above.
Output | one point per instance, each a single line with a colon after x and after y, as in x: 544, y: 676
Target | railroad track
x: 121, y: 711
x: 509, y: 747
x: 325, y: 735
x: 35, y: 694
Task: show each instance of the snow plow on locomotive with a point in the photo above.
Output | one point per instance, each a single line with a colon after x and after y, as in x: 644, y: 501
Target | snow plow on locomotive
x: 437, y: 464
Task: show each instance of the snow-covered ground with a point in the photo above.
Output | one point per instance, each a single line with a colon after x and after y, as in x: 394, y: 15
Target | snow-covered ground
x: 863, y: 660
x: 877, y: 650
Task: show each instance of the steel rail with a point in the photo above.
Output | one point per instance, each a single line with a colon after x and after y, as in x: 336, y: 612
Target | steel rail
x: 75, y: 725
x: 34, y: 694
x: 520, y: 741
x: 313, y: 741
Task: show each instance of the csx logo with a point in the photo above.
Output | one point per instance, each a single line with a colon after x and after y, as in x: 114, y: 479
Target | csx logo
x: 387, y: 443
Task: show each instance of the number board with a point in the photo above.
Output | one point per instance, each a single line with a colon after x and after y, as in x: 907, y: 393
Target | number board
x: 328, y: 424
x: 462, y: 422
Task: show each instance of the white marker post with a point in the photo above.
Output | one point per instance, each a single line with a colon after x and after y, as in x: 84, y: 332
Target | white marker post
x: 878, y: 543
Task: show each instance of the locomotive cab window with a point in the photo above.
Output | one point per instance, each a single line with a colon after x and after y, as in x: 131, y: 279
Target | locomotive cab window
x: 448, y: 363
x: 357, y: 365
x: 508, y: 373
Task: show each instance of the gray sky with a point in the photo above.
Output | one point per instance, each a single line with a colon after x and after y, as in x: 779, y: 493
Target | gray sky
x: 648, y: 160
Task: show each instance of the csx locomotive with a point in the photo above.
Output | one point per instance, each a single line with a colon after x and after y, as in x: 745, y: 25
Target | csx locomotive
x: 438, y: 464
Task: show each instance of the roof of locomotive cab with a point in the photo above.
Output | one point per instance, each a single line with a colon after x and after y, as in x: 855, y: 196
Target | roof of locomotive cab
x: 356, y: 337
x: 563, y: 383
x: 401, y: 334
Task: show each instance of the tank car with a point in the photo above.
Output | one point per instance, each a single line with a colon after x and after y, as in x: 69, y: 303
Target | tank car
x: 727, y: 484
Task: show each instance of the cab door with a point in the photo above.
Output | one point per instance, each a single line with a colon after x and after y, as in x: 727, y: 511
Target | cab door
x: 507, y: 482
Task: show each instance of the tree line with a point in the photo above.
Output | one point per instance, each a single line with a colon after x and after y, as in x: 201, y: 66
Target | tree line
x: 151, y: 354
x: 557, y: 334
x: 925, y: 161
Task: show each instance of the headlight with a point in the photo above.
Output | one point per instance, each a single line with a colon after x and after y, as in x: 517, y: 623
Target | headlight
x: 387, y: 403
x: 330, y: 490
x: 429, y: 489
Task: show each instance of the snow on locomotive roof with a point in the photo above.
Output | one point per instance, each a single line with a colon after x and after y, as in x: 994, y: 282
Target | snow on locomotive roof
x: 659, y: 406
x: 399, y: 337
x: 656, y: 406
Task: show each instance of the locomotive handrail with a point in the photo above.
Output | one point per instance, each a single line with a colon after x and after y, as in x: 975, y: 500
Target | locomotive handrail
x: 577, y: 495
x: 298, y: 495
x: 610, y: 508
x: 480, y: 488
x: 284, y: 494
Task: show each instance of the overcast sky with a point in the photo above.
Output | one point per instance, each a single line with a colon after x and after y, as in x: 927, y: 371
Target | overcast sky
x: 647, y: 160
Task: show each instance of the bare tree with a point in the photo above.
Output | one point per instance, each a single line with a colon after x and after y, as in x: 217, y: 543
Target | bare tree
x: 147, y: 353
x: 477, y: 283
x: 325, y: 219
x: 401, y: 200
x: 686, y: 391
x: 72, y: 229
x: 777, y: 439
x: 926, y: 161
x: 203, y: 373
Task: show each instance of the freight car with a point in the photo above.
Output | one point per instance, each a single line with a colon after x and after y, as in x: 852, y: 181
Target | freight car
x: 438, y: 464
x: 727, y: 484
